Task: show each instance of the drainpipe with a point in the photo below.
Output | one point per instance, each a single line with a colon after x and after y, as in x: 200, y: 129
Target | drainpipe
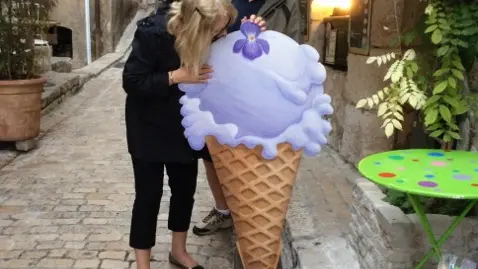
x: 88, y: 31
x: 98, y: 32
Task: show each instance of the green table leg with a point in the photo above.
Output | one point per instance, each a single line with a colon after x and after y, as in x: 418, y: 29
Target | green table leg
x: 435, y: 245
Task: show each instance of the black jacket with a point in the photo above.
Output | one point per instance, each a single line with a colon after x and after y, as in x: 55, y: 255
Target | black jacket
x: 153, y: 119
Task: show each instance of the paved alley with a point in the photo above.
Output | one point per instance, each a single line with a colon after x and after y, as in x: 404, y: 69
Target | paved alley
x: 68, y: 203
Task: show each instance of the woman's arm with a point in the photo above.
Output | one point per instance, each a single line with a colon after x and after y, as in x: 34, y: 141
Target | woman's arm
x: 140, y: 75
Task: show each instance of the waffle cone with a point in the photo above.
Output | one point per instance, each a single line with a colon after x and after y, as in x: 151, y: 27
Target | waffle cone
x: 258, y: 192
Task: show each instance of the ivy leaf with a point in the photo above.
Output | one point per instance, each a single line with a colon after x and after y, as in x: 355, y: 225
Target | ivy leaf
x: 413, y: 101
x: 431, y: 28
x: 370, y: 102
x: 361, y: 103
x: 459, y: 65
x: 445, y: 113
x: 389, y: 129
x: 440, y: 72
x: 445, y: 27
x: 409, y: 72
x: 458, y: 74
x: 382, y: 109
x: 454, y: 126
x: 431, y: 117
x: 454, y: 135
x: 437, y: 36
x: 436, y: 133
x: 391, y: 70
x: 440, y: 87
x: 470, y: 31
x: 452, y: 82
x: 398, y: 72
x: 414, y: 66
x: 397, y: 124
x: 462, y: 43
x: 452, y: 101
x: 433, y: 99
x: 375, y: 99
x: 371, y: 60
x: 434, y: 127
x: 442, y: 51
x: 462, y: 109
x: 398, y: 116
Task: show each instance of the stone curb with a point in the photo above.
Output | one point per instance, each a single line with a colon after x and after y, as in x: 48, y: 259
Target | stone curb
x: 303, y: 238
x: 71, y: 83
x: 383, y: 236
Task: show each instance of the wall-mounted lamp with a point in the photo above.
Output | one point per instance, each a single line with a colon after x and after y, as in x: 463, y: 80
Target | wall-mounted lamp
x: 325, y: 8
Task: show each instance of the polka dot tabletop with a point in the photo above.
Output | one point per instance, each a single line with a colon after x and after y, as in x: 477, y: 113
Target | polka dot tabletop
x: 433, y: 173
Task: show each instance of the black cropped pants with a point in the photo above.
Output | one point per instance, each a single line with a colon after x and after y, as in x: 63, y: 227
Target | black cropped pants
x: 148, y: 181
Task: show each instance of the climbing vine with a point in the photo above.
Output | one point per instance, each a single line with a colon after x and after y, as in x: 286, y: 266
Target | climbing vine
x: 452, y: 27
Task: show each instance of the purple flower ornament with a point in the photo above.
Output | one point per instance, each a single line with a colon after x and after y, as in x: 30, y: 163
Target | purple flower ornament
x: 251, y: 46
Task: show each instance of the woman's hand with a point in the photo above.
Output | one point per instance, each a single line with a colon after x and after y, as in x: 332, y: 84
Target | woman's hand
x: 182, y: 75
x: 257, y: 20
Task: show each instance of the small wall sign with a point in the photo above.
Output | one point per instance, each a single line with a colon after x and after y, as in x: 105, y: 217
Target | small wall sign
x: 359, y: 30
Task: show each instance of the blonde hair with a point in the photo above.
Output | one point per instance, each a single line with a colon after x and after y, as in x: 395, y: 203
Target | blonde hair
x: 192, y: 23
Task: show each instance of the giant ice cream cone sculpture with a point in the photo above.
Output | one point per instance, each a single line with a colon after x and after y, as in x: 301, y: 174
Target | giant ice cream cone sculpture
x: 258, y: 193
x: 263, y: 107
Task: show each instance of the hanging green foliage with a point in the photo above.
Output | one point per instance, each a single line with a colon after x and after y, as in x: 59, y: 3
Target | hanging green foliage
x: 452, y: 27
x: 401, y: 90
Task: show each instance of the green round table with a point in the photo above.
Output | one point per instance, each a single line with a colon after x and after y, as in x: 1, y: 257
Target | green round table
x: 431, y: 173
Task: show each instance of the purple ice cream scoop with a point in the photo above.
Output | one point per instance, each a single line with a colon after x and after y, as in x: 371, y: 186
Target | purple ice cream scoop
x: 265, y: 90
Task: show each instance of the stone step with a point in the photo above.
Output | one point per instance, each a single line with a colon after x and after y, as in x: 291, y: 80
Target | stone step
x: 61, y: 64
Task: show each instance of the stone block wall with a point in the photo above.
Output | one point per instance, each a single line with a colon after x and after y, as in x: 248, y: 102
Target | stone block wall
x: 356, y: 133
x: 384, y: 237
x: 384, y: 22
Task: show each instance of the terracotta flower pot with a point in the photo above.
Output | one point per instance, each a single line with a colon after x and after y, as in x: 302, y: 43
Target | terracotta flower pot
x: 20, y: 109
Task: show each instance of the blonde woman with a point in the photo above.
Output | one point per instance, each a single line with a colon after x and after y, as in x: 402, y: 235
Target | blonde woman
x: 167, y: 50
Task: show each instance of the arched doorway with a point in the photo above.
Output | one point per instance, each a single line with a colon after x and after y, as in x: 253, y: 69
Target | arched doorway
x: 63, y: 44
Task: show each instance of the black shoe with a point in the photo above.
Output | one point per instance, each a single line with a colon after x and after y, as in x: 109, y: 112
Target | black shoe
x: 173, y: 261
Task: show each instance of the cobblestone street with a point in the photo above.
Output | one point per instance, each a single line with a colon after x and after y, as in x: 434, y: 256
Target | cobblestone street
x: 68, y: 203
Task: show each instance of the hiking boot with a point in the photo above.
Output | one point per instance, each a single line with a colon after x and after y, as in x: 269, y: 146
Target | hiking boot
x: 213, y: 222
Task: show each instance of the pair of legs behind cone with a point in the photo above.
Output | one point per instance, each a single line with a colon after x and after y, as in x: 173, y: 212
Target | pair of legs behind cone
x: 219, y: 217
x: 182, y: 182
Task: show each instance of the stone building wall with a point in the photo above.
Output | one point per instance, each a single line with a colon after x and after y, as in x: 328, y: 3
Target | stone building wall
x: 357, y: 132
x: 71, y: 14
x: 115, y: 16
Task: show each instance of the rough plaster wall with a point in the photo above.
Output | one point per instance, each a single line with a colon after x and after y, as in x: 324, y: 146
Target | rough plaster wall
x: 71, y: 14
x: 357, y: 133
x: 115, y: 16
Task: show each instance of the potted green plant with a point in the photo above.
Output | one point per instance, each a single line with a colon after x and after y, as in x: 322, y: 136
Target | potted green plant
x: 20, y: 88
